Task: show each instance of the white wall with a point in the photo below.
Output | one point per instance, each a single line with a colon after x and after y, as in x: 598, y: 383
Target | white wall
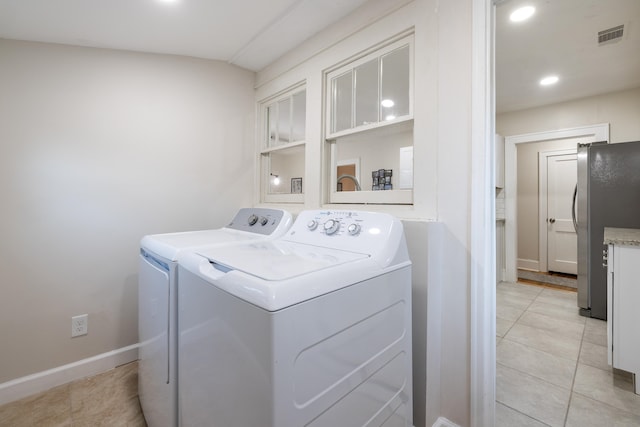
x: 445, y: 262
x: 620, y: 109
x: 100, y: 147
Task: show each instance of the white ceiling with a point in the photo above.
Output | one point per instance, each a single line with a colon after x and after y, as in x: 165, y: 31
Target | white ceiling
x: 247, y: 33
x: 561, y: 37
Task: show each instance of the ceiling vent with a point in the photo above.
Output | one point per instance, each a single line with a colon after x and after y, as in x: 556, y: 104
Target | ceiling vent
x: 611, y: 34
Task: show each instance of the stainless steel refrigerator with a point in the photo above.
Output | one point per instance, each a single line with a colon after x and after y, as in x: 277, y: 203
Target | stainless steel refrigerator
x: 608, y: 195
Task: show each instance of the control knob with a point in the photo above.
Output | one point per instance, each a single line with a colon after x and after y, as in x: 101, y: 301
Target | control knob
x: 312, y: 225
x: 253, y: 219
x: 353, y: 229
x: 331, y: 226
x: 263, y: 220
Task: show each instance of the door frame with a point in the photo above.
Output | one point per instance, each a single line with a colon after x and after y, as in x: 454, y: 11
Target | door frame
x: 592, y: 133
x: 543, y: 204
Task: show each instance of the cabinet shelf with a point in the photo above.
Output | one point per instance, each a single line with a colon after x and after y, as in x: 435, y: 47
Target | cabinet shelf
x: 391, y: 126
x: 285, y: 147
x: 396, y: 197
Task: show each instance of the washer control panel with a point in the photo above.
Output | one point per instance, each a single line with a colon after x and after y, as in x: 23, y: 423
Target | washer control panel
x: 260, y: 220
x: 350, y: 230
x: 335, y: 223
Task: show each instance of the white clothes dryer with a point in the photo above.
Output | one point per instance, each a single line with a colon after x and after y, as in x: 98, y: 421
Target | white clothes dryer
x: 310, y: 329
x: 157, y: 302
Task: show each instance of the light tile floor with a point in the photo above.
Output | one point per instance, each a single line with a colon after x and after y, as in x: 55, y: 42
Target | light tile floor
x: 107, y: 399
x: 551, y: 371
x: 552, y: 363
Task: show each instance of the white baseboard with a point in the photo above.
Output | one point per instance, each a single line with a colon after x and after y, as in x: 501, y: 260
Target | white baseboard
x: 529, y: 264
x: 42, y: 381
x: 443, y: 422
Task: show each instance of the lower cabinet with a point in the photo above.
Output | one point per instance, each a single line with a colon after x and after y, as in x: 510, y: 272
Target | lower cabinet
x: 623, y: 309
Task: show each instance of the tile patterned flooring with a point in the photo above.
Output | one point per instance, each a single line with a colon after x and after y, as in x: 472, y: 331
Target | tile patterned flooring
x: 552, y: 363
x: 107, y: 399
x: 551, y: 371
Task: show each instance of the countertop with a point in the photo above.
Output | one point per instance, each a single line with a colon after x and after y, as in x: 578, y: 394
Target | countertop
x: 622, y: 236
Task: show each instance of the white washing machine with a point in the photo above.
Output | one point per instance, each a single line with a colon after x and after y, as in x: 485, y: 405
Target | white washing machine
x: 310, y: 329
x: 157, y: 300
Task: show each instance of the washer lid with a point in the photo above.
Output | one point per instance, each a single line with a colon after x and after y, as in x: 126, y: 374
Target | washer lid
x: 278, y: 260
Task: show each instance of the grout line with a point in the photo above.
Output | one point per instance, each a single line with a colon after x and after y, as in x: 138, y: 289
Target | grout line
x: 600, y: 402
x: 575, y: 373
x: 536, y: 377
x: 521, y: 314
x: 522, y: 413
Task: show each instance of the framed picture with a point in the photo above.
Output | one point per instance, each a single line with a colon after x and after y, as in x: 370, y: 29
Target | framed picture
x: 296, y: 185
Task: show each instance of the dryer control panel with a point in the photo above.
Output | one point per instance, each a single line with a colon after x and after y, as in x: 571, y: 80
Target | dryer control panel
x: 260, y: 220
x: 357, y: 231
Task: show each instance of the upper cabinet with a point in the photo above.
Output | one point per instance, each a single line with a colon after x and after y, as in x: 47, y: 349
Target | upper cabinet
x: 286, y: 120
x: 282, y: 146
x: 371, y: 91
x: 369, y: 125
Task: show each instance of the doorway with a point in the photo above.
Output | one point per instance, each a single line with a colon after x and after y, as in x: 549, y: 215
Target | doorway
x: 518, y: 144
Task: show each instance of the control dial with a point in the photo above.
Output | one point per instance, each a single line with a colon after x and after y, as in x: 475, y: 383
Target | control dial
x: 263, y: 220
x: 353, y: 229
x: 253, y: 219
x: 331, y: 226
x: 312, y: 225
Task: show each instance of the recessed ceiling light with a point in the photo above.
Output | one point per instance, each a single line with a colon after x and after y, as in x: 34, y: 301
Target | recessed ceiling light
x: 522, y: 14
x: 549, y: 80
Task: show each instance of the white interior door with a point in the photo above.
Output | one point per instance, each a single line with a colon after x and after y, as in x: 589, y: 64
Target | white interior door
x: 562, y: 240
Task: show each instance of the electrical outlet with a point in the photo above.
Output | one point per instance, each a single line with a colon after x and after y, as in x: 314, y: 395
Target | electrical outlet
x: 79, y: 325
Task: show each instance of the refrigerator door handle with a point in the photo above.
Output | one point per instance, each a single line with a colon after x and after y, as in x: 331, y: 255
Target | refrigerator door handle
x: 573, y: 208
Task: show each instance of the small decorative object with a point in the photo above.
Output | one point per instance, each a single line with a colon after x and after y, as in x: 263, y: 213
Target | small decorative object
x: 296, y: 185
x: 382, y: 179
x: 387, y: 179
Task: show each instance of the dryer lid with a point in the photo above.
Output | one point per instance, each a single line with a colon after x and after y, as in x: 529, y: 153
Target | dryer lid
x: 170, y: 245
x: 278, y: 260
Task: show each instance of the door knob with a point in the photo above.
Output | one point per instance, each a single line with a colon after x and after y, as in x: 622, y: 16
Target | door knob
x: 552, y: 220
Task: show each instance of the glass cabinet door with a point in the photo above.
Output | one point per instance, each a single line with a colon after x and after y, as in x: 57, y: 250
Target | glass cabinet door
x: 394, y: 85
x: 366, y: 93
x: 371, y: 90
x: 284, y: 121
x: 342, y: 90
x: 298, y: 116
